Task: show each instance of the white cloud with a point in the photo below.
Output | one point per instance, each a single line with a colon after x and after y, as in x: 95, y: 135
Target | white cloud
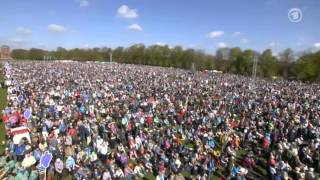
x: 41, y: 45
x: 299, y: 43
x: 215, y: 34
x: 14, y: 42
x: 85, y: 46
x: 161, y: 43
x: 222, y: 45
x: 17, y: 40
x: 125, y: 12
x: 244, y: 40
x: 135, y: 27
x: 23, y: 30
x: 56, y: 28
x: 273, y: 44
x: 83, y: 3
x: 235, y: 34
x: 316, y: 45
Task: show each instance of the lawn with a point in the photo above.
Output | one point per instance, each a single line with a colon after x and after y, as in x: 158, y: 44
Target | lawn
x: 3, y: 104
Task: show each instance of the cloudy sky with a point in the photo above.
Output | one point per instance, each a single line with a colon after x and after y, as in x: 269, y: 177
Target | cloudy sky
x: 201, y: 24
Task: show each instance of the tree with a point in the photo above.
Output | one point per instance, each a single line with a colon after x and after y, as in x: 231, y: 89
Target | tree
x: 309, y: 67
x: 19, y: 54
x: 61, y: 53
x: 236, y: 61
x: 286, y: 61
x: 118, y: 54
x: 104, y: 53
x: 223, y: 54
x: 36, y: 54
x: 267, y: 64
x: 248, y: 56
x: 176, y: 55
x: 136, y: 54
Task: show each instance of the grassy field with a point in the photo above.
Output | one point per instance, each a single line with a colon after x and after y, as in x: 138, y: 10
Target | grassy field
x: 3, y: 104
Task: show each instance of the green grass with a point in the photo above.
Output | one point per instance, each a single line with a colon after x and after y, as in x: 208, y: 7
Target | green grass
x: 3, y: 104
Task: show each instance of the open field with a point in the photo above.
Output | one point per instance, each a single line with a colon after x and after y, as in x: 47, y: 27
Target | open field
x: 3, y: 104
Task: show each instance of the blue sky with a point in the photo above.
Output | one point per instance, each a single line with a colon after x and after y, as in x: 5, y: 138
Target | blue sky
x: 201, y: 24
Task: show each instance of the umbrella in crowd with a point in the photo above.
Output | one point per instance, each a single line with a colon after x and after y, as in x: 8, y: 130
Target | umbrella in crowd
x: 109, y: 121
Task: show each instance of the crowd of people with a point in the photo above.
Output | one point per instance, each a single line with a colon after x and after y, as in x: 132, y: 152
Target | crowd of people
x: 119, y: 121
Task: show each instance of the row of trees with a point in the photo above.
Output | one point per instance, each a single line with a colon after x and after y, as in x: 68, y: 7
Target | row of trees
x: 231, y: 60
x: 305, y: 67
x: 137, y: 54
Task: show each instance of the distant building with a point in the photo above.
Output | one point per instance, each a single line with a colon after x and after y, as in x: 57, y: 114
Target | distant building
x: 5, y: 52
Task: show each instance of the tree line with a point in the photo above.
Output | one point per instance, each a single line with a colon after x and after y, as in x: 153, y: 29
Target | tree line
x: 286, y: 65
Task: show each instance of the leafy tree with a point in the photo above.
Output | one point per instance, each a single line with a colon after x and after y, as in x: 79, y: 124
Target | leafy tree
x: 223, y: 54
x: 61, y: 53
x: 286, y: 60
x: 248, y: 56
x: 118, y: 54
x: 309, y: 67
x: 36, y: 54
x: 19, y: 54
x: 267, y: 64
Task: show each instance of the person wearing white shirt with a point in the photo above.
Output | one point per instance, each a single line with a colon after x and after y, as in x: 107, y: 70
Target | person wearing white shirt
x: 138, y: 142
x: 119, y: 173
x: 99, y: 141
x: 106, y: 176
x: 103, y: 151
x: 138, y: 170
